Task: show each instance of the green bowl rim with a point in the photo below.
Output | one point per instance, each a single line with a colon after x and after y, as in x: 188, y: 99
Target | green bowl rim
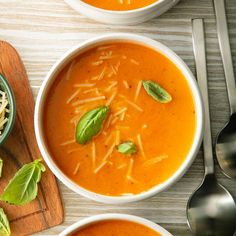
x: 12, y: 108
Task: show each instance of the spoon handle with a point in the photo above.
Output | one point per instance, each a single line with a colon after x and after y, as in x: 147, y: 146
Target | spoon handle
x: 200, y: 60
x: 223, y: 36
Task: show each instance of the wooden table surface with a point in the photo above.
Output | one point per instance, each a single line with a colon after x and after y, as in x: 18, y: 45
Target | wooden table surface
x: 42, y: 30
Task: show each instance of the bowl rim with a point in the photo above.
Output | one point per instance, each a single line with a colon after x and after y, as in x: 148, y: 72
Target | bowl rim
x: 100, y: 40
x: 114, y: 216
x: 12, y: 108
x: 123, y: 12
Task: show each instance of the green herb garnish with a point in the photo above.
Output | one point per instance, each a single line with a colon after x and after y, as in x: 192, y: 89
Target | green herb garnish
x: 4, y: 224
x: 127, y: 147
x: 156, y: 91
x: 23, y: 187
x: 90, y: 124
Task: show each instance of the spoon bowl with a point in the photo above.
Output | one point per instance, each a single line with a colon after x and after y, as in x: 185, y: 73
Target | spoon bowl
x: 225, y: 148
x: 211, y: 210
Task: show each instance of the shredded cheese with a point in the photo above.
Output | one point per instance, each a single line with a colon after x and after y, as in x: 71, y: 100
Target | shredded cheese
x: 144, y: 126
x: 134, y: 62
x: 117, y: 137
x: 90, y: 90
x: 100, y: 167
x: 110, y: 100
x: 76, y: 169
x: 68, y: 142
x: 83, y: 85
x: 154, y: 160
x: 69, y: 72
x: 134, y: 105
x: 117, y: 66
x: 101, y: 76
x: 73, y: 96
x: 97, y: 63
x: 88, y: 100
x: 125, y: 83
x: 3, y: 110
x: 139, y: 86
x: 113, y: 84
x: 109, y: 152
x: 102, y: 48
x: 120, y: 112
x: 114, y: 120
x: 130, y: 167
x: 113, y: 70
x: 93, y: 154
x: 121, y: 166
x: 108, y: 139
x: 122, y: 117
x: 141, y: 146
x: 73, y: 150
x: 109, y: 121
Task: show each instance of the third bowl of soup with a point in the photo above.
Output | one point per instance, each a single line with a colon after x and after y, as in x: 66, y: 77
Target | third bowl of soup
x: 119, y: 118
x: 115, y: 225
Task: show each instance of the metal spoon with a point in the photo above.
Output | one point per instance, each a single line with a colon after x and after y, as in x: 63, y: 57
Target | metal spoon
x: 211, y: 210
x: 226, y: 139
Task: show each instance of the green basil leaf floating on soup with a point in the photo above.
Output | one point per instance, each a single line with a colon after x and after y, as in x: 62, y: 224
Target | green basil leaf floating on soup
x: 90, y: 124
x: 127, y: 147
x: 4, y: 224
x: 23, y: 187
x: 156, y: 91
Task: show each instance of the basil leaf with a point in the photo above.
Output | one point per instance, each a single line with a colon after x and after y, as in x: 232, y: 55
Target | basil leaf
x: 4, y: 224
x: 90, y: 124
x: 156, y: 91
x: 23, y: 187
x: 1, y: 166
x: 127, y: 147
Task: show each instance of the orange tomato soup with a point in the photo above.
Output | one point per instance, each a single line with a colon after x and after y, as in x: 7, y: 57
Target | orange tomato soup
x: 120, y: 5
x: 112, y: 75
x: 116, y: 228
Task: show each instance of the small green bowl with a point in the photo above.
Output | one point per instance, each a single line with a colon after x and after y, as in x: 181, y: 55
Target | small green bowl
x: 4, y: 86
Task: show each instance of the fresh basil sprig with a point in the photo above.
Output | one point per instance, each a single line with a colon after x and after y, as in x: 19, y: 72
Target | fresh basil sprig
x: 4, y: 224
x: 156, y: 91
x: 23, y: 187
x: 90, y: 124
x: 127, y: 147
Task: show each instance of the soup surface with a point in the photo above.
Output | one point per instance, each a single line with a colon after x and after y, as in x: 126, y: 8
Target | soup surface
x: 162, y: 132
x: 120, y: 5
x: 116, y: 228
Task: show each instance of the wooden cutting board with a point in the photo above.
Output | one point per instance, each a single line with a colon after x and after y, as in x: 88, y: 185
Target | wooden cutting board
x: 20, y: 148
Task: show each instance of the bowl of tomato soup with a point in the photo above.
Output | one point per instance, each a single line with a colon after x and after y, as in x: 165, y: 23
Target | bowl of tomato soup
x: 119, y: 118
x: 121, y: 12
x: 116, y: 225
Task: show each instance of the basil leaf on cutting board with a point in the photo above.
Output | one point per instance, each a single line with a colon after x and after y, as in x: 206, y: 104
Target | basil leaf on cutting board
x: 127, y: 147
x: 4, y: 224
x: 90, y: 124
x: 158, y: 93
x: 23, y: 187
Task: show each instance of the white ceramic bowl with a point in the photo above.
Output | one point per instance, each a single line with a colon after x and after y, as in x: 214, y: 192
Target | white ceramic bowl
x: 130, y: 17
x: 98, y: 218
x: 70, y: 55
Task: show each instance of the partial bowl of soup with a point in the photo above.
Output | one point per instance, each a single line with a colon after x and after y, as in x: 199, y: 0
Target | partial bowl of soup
x: 116, y: 225
x: 121, y: 12
x: 119, y: 118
